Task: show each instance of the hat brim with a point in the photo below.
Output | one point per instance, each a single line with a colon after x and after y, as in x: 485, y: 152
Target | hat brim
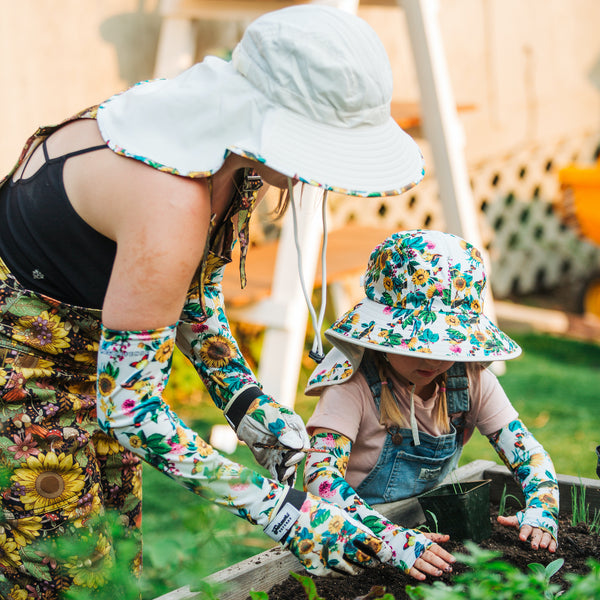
x: 451, y: 336
x: 188, y: 125
x: 367, y: 160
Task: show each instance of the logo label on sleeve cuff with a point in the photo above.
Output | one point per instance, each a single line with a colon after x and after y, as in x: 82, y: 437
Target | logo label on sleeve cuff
x: 278, y: 528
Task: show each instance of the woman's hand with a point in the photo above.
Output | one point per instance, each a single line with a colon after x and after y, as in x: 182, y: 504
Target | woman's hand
x: 539, y: 538
x: 434, y: 561
x: 276, y: 435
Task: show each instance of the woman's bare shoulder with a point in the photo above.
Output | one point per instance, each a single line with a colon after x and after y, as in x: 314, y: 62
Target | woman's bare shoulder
x: 109, y: 190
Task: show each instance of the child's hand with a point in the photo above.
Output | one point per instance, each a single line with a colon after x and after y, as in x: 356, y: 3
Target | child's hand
x: 434, y: 561
x: 417, y: 553
x: 539, y: 537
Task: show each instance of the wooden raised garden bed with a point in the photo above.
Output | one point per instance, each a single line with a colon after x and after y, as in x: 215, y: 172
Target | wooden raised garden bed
x: 269, y: 568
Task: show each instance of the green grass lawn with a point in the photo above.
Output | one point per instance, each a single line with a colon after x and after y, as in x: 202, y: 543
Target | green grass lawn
x: 554, y: 385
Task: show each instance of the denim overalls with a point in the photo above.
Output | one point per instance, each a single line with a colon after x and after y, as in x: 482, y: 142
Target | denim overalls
x: 403, y: 469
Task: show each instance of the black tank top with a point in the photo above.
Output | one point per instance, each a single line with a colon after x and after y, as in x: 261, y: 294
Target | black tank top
x: 47, y: 246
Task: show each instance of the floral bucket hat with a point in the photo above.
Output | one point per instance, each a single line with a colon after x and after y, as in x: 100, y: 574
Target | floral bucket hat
x: 424, y: 297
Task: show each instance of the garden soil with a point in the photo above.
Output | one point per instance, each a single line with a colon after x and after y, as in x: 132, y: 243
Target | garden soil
x: 576, y: 545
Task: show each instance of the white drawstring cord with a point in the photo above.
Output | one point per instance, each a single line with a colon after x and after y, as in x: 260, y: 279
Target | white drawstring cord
x: 413, y: 419
x: 317, y: 349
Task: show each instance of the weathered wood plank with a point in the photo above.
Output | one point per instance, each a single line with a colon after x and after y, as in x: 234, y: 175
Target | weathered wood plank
x: 260, y: 573
x: 183, y: 593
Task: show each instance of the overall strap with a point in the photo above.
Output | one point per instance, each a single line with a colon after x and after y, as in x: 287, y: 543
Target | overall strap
x: 369, y: 370
x: 457, y: 389
x: 457, y: 395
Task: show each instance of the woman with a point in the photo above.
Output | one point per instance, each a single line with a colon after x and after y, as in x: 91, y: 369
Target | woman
x: 115, y: 228
x: 404, y: 388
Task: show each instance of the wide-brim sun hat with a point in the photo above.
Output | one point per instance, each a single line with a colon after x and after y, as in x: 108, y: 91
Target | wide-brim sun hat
x: 424, y: 298
x: 308, y: 93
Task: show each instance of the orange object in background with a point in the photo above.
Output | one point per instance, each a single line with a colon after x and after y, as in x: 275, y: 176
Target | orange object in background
x: 580, y: 208
x: 581, y: 187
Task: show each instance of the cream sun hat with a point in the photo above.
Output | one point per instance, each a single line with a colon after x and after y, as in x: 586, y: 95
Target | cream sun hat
x: 307, y: 92
x: 424, y: 297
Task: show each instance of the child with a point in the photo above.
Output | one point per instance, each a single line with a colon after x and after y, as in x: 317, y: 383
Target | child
x: 404, y: 387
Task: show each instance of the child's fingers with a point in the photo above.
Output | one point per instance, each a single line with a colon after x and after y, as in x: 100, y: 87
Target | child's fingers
x: 538, y: 537
x: 438, y: 538
x: 432, y: 562
x: 509, y: 521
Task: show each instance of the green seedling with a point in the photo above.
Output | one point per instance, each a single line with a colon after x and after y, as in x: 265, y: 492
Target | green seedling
x: 309, y: 586
x: 435, y: 520
x: 503, y: 498
x: 456, y: 486
x: 546, y: 573
x: 581, y: 510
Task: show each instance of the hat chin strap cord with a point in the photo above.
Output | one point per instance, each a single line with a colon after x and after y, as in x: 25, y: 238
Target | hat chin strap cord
x: 414, y: 428
x: 317, y: 348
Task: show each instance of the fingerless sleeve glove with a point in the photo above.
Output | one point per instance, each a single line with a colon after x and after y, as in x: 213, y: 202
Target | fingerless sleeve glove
x: 324, y: 474
x: 133, y: 370
x: 532, y: 468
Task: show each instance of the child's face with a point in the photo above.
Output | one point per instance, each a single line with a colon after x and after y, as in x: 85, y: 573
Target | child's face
x: 420, y: 371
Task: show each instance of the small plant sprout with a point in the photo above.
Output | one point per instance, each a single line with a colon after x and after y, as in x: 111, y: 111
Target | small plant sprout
x: 581, y: 510
x: 456, y: 486
x: 434, y: 519
x: 310, y: 589
x: 546, y: 573
x: 502, y: 503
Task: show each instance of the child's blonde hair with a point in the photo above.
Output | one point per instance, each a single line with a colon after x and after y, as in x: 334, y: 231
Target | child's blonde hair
x: 389, y: 411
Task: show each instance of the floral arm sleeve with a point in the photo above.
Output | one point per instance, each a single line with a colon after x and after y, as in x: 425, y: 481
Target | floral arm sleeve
x: 204, y: 336
x: 532, y: 468
x: 324, y: 474
x: 133, y: 369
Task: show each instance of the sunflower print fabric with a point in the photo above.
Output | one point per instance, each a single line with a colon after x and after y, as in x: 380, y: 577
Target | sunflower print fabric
x: 133, y: 369
x: 323, y: 537
x: 324, y: 476
x: 532, y: 467
x: 204, y: 336
x: 59, y: 472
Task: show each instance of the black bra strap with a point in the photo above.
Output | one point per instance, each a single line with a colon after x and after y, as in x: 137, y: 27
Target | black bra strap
x: 76, y: 152
x: 64, y: 157
x: 29, y: 158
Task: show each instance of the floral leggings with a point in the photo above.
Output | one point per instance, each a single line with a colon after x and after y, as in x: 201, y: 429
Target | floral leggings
x: 58, y: 470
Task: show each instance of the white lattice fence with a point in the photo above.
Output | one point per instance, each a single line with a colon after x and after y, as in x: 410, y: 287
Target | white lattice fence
x: 531, y: 249
x: 529, y: 246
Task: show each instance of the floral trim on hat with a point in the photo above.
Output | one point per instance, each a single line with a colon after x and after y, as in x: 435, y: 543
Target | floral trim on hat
x: 156, y: 165
x: 331, y: 188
